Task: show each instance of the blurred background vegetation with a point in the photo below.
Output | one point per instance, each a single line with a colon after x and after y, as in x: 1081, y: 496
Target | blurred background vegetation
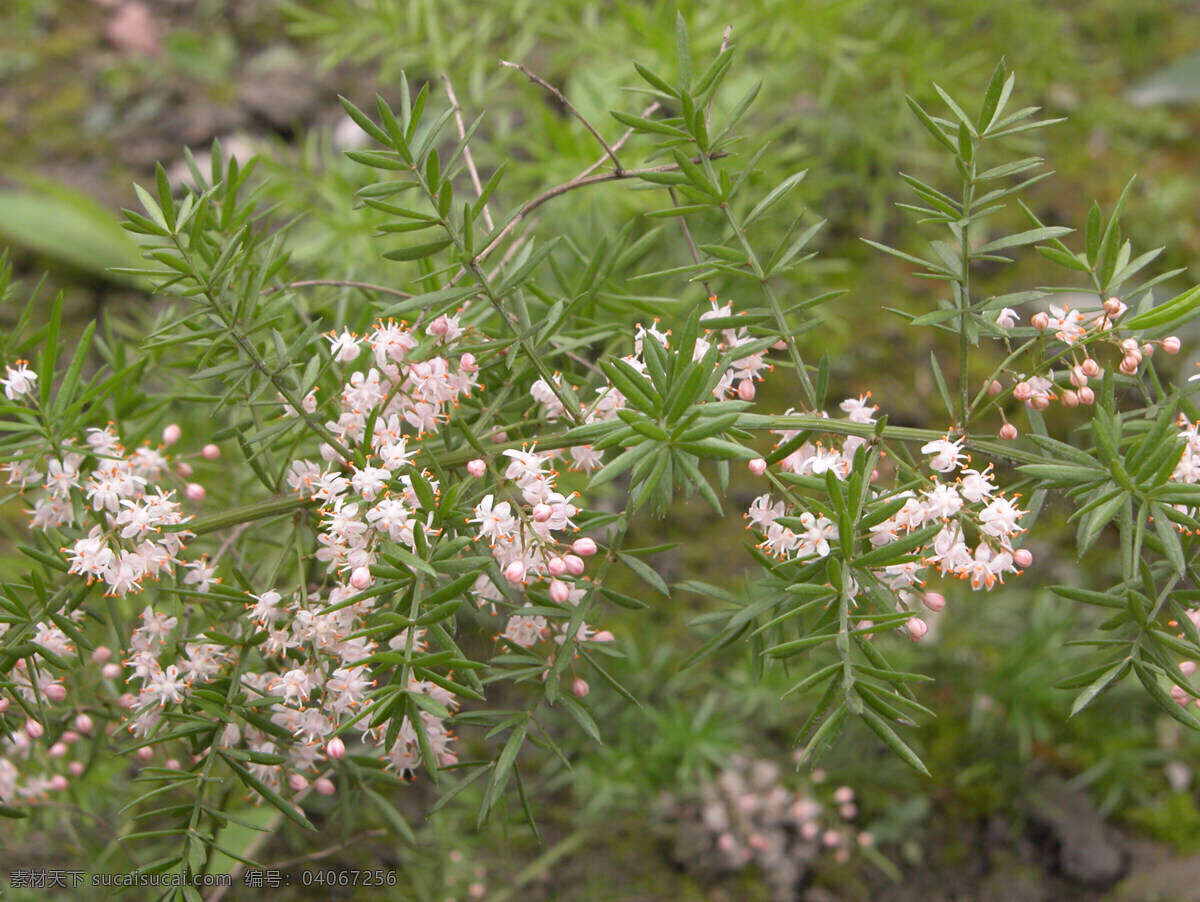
x: 93, y: 94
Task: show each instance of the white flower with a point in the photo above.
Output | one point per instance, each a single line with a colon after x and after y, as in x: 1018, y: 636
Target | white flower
x: 19, y: 381
x: 948, y: 455
x: 344, y: 347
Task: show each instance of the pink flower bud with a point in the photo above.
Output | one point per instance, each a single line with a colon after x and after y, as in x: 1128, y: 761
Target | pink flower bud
x: 1129, y: 365
x: 866, y: 840
x: 439, y: 326
x: 101, y: 654
x: 746, y: 390
x: 1086, y: 395
x: 335, y: 748
x: 324, y: 787
x: 1039, y: 401
x: 1070, y: 399
x: 360, y: 578
x: 184, y: 469
x: 917, y: 628
x: 110, y: 671
x: 1187, y: 668
x: 33, y: 729
x: 515, y: 572
x: 195, y: 491
x: 603, y: 636
x: 298, y: 782
x: 1078, y: 377
x: 757, y: 467
x: 58, y: 750
x: 843, y: 795
x: 584, y: 547
x: 172, y: 434
x: 75, y: 768
x: 467, y: 363
x: 557, y: 566
x: 210, y: 452
x: 1040, y: 321
x: 1008, y: 432
x: 542, y: 513
x: 55, y: 692
x: 848, y: 812
x: 1090, y: 368
x: 559, y: 591
x: 830, y: 838
x: 500, y: 437
x: 3, y: 705
x: 476, y: 468
x: 70, y: 737
x: 1022, y: 557
x: 780, y: 345
x: 935, y: 601
x: 1129, y: 345
x: 58, y: 782
x: 580, y: 688
x: 994, y: 387
x: 1022, y: 391
x: 574, y: 564
x: 145, y: 753
x: 173, y: 764
x: 1113, y: 307
x: 1171, y: 344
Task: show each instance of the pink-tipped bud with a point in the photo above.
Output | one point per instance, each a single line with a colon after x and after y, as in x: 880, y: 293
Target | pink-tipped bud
x: 210, y: 452
x: 184, y: 469
x: 70, y: 737
x: 994, y: 387
x: 843, y: 795
x: 1171, y: 344
x: 584, y: 547
x: 866, y: 840
x: 746, y: 390
x: 467, y: 363
x: 145, y: 753
x: 172, y: 434
x: 1040, y: 321
x: 173, y: 764
x: 298, y: 782
x: 75, y: 768
x: 515, y: 572
x: 335, y: 748
x: 1070, y: 399
x: 58, y: 783
x: 1008, y: 432
x: 500, y: 437
x: 574, y: 564
x: 580, y: 688
x: 1090, y: 368
x: 476, y: 468
x: 195, y: 491
x: 360, y: 578
x: 559, y: 591
x: 935, y: 601
x: 557, y: 566
x: 1180, y: 695
x: 58, y: 750
x: 101, y: 654
x: 3, y: 705
x: 1078, y: 377
x: 780, y: 345
x: 1086, y: 395
x: 1148, y: 350
x: 1130, y: 345
x: 127, y: 700
x: 55, y: 692
x: 1187, y: 668
x: 917, y: 628
x: 1022, y: 391
x: 757, y: 467
x: 1113, y: 307
x: 604, y: 636
x: 1039, y: 401
x: 1022, y: 557
x: 1129, y: 365
x: 110, y: 671
x: 542, y: 513
x: 848, y: 812
x: 439, y: 326
x: 33, y: 729
x: 324, y: 787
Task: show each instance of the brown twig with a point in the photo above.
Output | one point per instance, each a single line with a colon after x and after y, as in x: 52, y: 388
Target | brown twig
x: 687, y: 236
x: 467, y: 158
x: 537, y: 79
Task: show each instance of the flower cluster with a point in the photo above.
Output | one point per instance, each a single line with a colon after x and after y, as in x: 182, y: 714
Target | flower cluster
x: 128, y: 526
x: 963, y: 500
